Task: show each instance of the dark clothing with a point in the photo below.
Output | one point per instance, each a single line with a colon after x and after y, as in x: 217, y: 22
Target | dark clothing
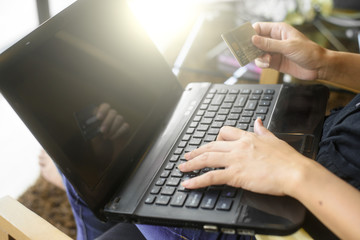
x: 339, y: 148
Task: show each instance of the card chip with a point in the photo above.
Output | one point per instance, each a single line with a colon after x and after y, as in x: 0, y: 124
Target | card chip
x: 240, y: 45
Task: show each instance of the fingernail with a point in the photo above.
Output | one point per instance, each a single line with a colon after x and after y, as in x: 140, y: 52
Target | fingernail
x: 261, y: 64
x: 187, y: 155
x: 182, y: 167
x: 186, y: 183
x: 255, y: 39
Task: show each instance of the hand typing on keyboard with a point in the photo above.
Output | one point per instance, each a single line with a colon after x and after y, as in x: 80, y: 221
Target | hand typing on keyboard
x: 249, y: 161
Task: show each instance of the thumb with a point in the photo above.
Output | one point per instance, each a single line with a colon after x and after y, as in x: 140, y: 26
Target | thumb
x: 268, y: 44
x: 259, y: 128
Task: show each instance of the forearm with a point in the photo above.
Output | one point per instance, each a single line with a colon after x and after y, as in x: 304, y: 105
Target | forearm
x: 333, y: 201
x: 341, y: 68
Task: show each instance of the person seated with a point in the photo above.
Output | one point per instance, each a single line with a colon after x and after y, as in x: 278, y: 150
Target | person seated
x: 260, y: 162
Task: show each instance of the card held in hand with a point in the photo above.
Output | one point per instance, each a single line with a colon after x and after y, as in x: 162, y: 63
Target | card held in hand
x: 239, y: 43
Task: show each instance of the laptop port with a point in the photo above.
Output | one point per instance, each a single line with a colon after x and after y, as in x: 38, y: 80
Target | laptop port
x: 228, y: 230
x: 210, y: 228
x: 245, y: 232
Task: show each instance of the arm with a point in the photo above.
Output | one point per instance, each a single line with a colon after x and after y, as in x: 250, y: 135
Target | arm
x: 250, y: 162
x: 291, y: 52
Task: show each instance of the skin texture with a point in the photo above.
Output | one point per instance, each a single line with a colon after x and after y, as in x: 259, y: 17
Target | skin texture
x: 262, y: 163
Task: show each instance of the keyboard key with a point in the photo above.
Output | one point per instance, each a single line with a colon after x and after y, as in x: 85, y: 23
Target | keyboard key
x: 242, y: 101
x: 210, y: 114
x: 195, y: 141
x: 224, y: 204
x: 228, y: 192
x: 173, y: 182
x: 169, y: 166
x: 217, y: 124
x: 178, y: 151
x: 179, y: 199
x: 190, y: 130
x: 194, y: 124
x: 251, y: 105
x: 181, y: 188
x: 150, y: 199
x: 257, y: 91
x: 262, y: 110
x: 174, y: 158
x: 190, y: 148
x: 255, y: 97
x: 213, y: 108
x: 203, y: 127
x: 177, y: 173
x: 182, y: 144
x: 269, y: 91
x: 245, y: 120
x: 264, y: 103
x: 155, y: 190
x: 224, y: 111
x: 267, y: 97
x: 234, y: 116
x: 231, y: 123
x: 160, y: 182
x: 186, y: 137
x: 199, y: 135
x: 213, y: 131
x: 236, y: 110
x: 165, y: 174
x: 169, y: 191
x: 209, y: 200
x: 243, y: 126
x: 230, y: 99
x: 234, y: 91
x: 210, y: 138
x: 248, y: 113
x: 245, y: 91
x: 194, y: 199
x: 220, y: 118
x: 217, y: 100
x: 162, y: 200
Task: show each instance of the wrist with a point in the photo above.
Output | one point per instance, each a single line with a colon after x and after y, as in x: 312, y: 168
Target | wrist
x: 298, y: 176
x: 329, y: 62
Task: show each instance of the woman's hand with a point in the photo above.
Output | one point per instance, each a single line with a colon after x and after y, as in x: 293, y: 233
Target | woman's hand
x: 288, y: 50
x: 258, y: 162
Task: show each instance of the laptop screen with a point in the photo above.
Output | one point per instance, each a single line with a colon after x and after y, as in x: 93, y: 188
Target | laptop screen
x: 92, y: 89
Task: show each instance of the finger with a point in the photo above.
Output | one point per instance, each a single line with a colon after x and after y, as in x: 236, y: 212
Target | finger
x: 263, y: 28
x: 260, y: 129
x: 268, y: 44
x: 207, y: 159
x: 121, y: 131
x: 217, y: 146
x: 230, y: 134
x: 216, y: 177
x: 109, y: 118
x: 116, y: 124
x: 263, y: 61
x: 102, y: 110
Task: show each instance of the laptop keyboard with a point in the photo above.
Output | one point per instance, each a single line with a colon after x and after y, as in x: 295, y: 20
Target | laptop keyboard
x: 221, y: 107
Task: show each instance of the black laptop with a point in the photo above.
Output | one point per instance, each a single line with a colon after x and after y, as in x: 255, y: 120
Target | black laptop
x: 95, y: 54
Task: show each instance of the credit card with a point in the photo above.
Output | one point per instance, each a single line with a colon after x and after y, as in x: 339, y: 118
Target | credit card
x: 240, y: 45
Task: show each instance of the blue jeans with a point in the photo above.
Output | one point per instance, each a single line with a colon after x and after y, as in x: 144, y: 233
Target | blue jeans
x: 88, y: 226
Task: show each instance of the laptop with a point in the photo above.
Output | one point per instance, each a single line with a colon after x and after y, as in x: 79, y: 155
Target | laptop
x: 94, y: 55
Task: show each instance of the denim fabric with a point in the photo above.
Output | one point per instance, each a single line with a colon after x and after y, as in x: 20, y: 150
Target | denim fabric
x: 87, y: 225
x: 172, y: 233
